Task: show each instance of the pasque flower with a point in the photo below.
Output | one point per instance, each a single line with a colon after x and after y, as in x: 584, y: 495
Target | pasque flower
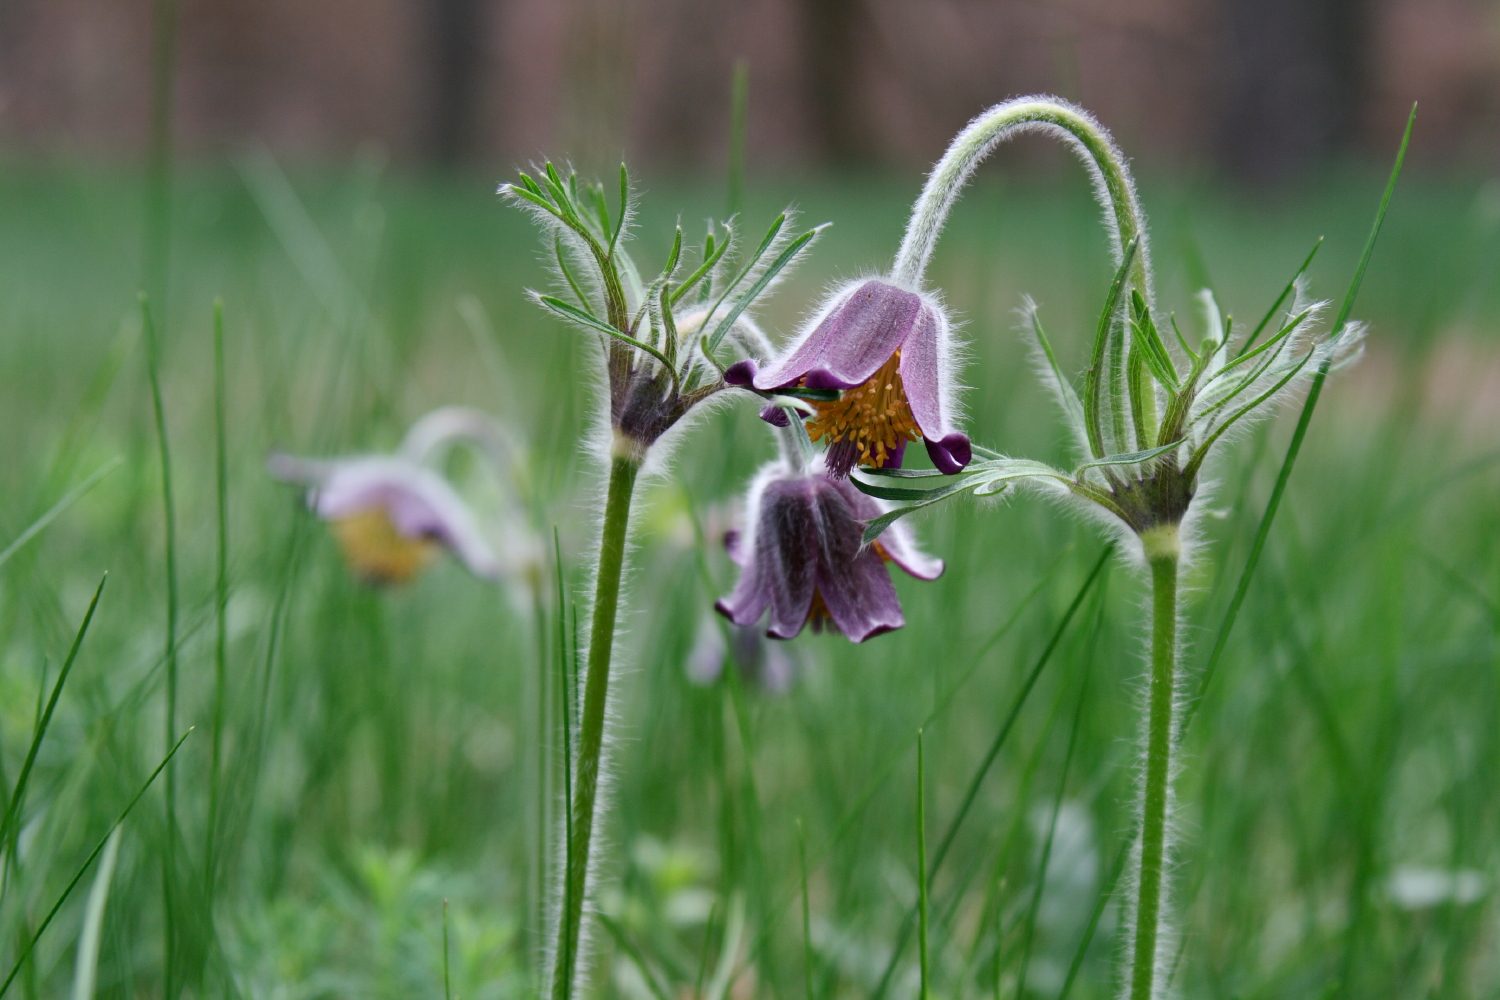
x: 393, y: 514
x: 802, y: 558
x: 890, y: 350
x: 659, y: 345
x: 1149, y: 414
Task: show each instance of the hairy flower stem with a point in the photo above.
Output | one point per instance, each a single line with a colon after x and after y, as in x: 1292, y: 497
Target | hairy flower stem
x: 1025, y: 114
x: 1163, y: 552
x: 623, y: 470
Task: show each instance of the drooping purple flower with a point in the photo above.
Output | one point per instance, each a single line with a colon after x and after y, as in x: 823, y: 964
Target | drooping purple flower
x: 393, y: 514
x: 802, y: 559
x: 889, y: 349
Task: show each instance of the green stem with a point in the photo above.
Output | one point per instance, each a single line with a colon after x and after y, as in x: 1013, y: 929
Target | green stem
x: 1094, y: 146
x: 622, y: 474
x: 1163, y: 553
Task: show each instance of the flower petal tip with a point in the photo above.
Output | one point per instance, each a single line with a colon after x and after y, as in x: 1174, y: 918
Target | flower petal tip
x: 775, y: 415
x: 741, y: 373
x: 950, y: 454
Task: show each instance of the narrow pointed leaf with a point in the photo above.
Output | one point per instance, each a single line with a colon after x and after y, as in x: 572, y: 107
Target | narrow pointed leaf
x: 1130, y: 458
x: 1290, y: 285
x: 793, y: 249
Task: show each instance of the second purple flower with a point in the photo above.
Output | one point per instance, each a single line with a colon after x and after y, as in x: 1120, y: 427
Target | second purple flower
x: 803, y: 561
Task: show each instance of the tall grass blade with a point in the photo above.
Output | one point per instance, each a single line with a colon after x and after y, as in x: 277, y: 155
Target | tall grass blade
x: 169, y: 517
x: 221, y: 610
x: 82, y: 869
x: 86, y: 965
x: 1041, y: 874
x: 921, y: 869
x: 1305, y: 418
x: 72, y: 496
x: 11, y: 823
x: 989, y: 758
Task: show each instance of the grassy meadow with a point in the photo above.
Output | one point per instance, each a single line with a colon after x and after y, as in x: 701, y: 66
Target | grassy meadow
x: 381, y: 751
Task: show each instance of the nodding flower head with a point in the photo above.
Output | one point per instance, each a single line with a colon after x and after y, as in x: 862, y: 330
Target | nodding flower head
x: 393, y: 514
x: 661, y: 338
x: 889, y: 350
x: 802, y: 558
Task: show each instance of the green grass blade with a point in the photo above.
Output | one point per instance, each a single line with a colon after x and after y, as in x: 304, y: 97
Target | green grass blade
x: 72, y: 496
x: 1261, y: 326
x: 1274, y: 504
x: 98, y: 849
x: 86, y: 965
x: 11, y: 822
x: 1041, y: 875
x: 921, y: 869
x: 807, y: 950
x: 994, y: 751
x: 447, y: 981
x: 626, y: 945
x: 221, y: 606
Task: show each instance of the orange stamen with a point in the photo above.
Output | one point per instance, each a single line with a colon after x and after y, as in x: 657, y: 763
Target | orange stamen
x: 875, y: 416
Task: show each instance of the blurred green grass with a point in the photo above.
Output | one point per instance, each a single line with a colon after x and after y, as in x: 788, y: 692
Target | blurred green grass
x: 379, y: 745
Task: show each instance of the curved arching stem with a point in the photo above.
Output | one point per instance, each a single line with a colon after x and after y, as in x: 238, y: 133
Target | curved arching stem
x: 1113, y: 185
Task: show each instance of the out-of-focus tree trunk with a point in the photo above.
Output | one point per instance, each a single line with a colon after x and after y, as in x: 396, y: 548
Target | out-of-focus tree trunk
x: 456, y: 57
x: 1295, y: 71
x: 832, y: 39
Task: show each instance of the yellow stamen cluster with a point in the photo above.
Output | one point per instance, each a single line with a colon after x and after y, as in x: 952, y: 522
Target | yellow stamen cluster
x: 875, y: 416
x: 377, y: 552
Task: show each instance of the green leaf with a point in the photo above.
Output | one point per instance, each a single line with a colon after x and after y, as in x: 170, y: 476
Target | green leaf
x: 994, y: 477
x: 1154, y: 352
x: 711, y: 256
x: 567, y: 273
x: 583, y: 319
x: 817, y: 395
x: 1281, y: 334
x: 743, y: 302
x: 760, y: 251
x: 1068, y: 396
x: 1094, y: 380
x: 903, y: 473
x: 1131, y: 458
x: 1281, y: 298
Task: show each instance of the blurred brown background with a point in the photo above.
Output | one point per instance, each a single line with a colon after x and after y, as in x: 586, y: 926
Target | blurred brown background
x: 1257, y: 88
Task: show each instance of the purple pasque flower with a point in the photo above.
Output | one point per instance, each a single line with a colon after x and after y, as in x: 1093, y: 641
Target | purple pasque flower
x: 802, y: 558
x: 393, y: 514
x: 890, y: 350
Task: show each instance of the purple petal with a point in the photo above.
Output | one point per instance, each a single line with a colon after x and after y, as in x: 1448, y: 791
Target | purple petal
x: 898, y: 543
x: 734, y: 544
x: 951, y: 454
x: 852, y: 341
x: 893, y: 457
x: 855, y: 585
x: 418, y: 501
x: 922, y: 376
x: 781, y: 570
x: 741, y: 372
x: 775, y: 415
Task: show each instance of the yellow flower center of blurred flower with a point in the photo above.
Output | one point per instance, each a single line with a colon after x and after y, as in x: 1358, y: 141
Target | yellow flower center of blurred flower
x: 875, y: 416
x: 377, y: 552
